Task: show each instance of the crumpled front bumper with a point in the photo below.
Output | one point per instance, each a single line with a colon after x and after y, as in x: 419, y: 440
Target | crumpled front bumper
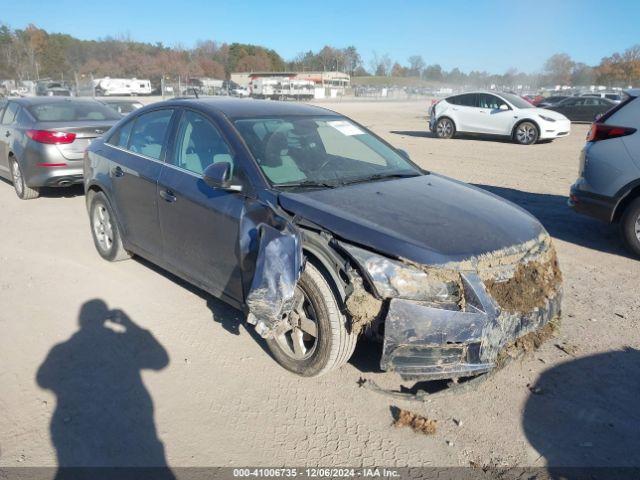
x: 427, y: 343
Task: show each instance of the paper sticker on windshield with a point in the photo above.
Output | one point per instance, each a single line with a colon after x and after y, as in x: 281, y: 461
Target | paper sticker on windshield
x: 345, y: 127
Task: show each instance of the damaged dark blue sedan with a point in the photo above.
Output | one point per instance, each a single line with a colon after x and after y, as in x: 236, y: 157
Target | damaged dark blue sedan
x: 320, y: 231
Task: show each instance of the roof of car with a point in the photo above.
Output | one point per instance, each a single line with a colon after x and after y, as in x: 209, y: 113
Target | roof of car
x: 47, y: 99
x: 246, y: 107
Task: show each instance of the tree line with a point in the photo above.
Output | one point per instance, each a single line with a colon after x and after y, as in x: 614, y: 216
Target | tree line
x: 32, y: 53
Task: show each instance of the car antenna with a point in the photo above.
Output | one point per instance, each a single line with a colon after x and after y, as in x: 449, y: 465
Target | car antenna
x: 195, y: 92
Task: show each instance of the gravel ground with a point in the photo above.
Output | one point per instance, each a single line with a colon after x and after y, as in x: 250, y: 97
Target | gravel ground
x: 190, y: 385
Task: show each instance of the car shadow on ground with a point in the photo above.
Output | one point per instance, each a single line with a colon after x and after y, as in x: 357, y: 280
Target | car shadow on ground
x: 563, y: 223
x: 459, y: 136
x: 53, y: 192
x: 584, y: 412
x: 104, y: 415
x: 229, y: 318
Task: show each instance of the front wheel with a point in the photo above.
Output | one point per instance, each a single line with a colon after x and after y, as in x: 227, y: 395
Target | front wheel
x: 445, y: 128
x: 630, y: 226
x: 526, y: 133
x: 318, y: 339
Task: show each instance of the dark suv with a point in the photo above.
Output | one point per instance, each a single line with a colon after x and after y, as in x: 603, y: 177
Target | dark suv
x: 320, y: 230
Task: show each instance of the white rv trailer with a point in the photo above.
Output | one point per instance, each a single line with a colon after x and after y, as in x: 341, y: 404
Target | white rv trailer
x: 122, y: 86
x: 281, y: 88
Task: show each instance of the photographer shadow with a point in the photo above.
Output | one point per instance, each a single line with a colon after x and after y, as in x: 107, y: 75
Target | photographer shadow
x: 104, y: 414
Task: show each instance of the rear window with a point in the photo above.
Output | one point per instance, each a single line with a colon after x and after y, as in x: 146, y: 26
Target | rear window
x: 72, y: 111
x: 10, y: 113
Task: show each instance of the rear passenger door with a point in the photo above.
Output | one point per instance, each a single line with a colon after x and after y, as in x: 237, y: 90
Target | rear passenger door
x: 465, y: 108
x: 8, y: 115
x: 200, y: 224
x: 139, y: 145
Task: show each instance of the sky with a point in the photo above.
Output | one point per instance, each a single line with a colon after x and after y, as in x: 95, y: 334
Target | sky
x: 490, y: 35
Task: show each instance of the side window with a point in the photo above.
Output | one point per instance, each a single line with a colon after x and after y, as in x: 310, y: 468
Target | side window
x: 121, y: 136
x: 469, y: 100
x: 492, y: 102
x: 10, y: 113
x: 149, y: 133
x: 199, y: 144
x: 454, y: 100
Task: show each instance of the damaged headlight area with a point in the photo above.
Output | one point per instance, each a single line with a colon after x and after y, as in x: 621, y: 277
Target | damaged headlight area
x: 395, y: 279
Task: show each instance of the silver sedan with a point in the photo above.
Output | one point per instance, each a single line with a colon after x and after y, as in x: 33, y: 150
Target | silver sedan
x: 43, y: 139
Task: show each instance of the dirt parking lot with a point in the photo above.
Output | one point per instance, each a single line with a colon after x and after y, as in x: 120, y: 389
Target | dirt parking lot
x: 213, y: 396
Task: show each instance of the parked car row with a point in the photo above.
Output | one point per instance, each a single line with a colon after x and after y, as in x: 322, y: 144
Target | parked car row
x: 314, y: 226
x: 305, y: 220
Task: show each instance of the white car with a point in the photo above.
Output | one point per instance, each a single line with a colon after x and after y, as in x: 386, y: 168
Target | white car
x: 503, y: 114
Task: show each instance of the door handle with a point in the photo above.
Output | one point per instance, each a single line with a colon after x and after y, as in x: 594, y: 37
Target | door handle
x: 168, y: 196
x: 7, y: 133
x: 117, y: 172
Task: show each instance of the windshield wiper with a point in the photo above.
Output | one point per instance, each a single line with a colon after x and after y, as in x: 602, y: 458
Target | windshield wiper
x: 306, y: 183
x: 380, y: 176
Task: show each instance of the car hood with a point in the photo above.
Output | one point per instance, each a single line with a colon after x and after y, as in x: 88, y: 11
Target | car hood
x: 429, y: 219
x: 549, y: 113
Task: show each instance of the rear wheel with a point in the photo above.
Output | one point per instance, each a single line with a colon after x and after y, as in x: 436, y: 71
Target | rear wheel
x: 526, y: 133
x: 23, y: 191
x: 318, y: 339
x: 104, y: 228
x: 630, y: 225
x: 445, y: 128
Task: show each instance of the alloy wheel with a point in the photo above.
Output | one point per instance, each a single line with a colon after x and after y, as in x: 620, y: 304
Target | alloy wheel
x: 17, y: 177
x: 102, y: 227
x: 444, y: 128
x: 526, y: 133
x: 637, y: 228
x: 300, y: 341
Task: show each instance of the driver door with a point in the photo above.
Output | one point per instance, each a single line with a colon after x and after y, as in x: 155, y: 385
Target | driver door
x: 497, y: 116
x: 200, y: 224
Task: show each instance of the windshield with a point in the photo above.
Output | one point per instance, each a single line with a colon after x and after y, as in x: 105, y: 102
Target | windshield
x: 72, y: 111
x: 516, y: 101
x: 321, y: 151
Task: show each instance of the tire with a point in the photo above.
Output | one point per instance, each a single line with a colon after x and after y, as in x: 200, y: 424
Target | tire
x: 630, y: 226
x: 526, y: 133
x: 23, y: 191
x: 334, y: 343
x: 105, y: 230
x: 445, y: 128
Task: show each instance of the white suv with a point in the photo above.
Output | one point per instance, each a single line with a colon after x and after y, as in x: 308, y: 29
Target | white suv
x: 503, y: 114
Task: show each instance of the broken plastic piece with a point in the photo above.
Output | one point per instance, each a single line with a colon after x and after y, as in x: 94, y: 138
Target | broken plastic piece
x: 278, y: 269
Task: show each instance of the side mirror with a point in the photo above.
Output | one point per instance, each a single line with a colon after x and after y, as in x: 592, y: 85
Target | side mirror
x: 403, y: 153
x: 217, y: 175
x: 504, y: 107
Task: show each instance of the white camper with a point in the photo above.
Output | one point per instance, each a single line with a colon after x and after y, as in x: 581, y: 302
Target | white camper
x: 281, y: 88
x: 122, y: 86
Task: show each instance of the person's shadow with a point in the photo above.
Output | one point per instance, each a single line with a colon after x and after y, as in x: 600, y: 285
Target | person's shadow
x: 104, y: 413
x: 584, y: 413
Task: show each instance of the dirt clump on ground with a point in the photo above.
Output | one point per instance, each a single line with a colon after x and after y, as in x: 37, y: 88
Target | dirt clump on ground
x: 418, y: 423
x: 531, y: 285
x: 527, y: 343
x: 363, y: 307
